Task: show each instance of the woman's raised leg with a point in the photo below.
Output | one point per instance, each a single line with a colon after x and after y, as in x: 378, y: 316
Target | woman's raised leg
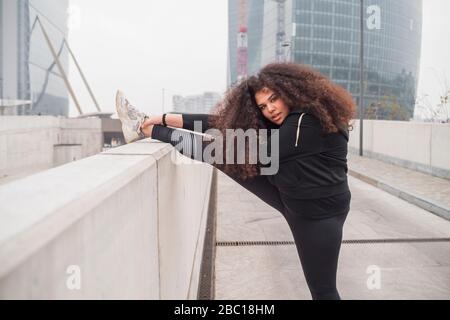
x: 183, y: 121
x: 190, y: 145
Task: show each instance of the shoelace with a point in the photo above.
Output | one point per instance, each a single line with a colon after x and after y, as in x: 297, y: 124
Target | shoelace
x: 298, y: 129
x: 145, y: 117
x: 140, y: 133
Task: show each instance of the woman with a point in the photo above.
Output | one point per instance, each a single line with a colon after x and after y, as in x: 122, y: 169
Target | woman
x: 310, y: 188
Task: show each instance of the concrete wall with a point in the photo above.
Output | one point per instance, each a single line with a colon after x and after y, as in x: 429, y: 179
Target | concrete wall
x: 131, y: 221
x: 29, y: 144
x: 420, y: 146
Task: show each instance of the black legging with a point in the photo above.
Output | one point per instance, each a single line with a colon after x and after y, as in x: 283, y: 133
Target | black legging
x: 318, y: 241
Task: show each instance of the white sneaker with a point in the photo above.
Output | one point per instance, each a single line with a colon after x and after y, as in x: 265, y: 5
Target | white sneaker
x: 131, y: 118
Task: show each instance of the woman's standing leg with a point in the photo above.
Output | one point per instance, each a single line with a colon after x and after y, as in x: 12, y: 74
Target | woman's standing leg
x: 318, y: 245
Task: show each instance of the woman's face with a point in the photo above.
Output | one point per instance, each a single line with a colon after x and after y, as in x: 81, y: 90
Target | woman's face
x: 272, y: 107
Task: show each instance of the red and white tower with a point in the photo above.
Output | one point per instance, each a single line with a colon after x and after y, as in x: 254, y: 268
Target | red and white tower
x: 242, y: 42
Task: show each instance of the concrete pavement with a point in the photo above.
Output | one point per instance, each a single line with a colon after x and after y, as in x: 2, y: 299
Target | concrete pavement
x: 408, y: 245
x: 426, y: 191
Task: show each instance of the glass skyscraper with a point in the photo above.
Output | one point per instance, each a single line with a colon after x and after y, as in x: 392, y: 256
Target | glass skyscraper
x: 27, y: 68
x: 325, y: 34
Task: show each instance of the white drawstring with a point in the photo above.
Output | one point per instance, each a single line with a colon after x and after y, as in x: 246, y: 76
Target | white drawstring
x: 298, y: 129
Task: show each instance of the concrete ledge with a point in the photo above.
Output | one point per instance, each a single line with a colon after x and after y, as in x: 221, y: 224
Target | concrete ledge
x: 54, y: 200
x: 419, y: 146
x: 432, y: 206
x: 26, y: 123
x: 131, y: 219
x: 27, y: 143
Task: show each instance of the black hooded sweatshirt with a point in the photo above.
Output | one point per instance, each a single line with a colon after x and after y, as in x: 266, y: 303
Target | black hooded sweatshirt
x: 312, y: 176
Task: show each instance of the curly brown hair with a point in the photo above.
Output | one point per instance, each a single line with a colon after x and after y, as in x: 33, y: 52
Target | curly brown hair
x: 299, y: 86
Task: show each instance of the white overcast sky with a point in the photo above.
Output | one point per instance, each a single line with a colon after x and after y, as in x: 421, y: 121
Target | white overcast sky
x: 143, y: 46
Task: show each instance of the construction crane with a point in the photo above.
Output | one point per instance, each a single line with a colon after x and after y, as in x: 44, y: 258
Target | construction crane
x: 281, y: 31
x: 242, y: 41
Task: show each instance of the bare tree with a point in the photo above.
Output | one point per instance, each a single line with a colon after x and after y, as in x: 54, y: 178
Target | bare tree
x: 427, y: 111
x: 444, y: 106
x: 436, y: 112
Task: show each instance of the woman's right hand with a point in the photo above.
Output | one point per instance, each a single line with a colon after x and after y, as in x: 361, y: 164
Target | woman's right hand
x: 151, y: 121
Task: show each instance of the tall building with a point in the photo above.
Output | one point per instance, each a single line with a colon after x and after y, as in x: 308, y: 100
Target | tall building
x: 28, y: 71
x: 325, y: 34
x: 204, y: 103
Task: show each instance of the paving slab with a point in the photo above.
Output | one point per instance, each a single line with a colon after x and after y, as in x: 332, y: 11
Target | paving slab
x: 413, y: 269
